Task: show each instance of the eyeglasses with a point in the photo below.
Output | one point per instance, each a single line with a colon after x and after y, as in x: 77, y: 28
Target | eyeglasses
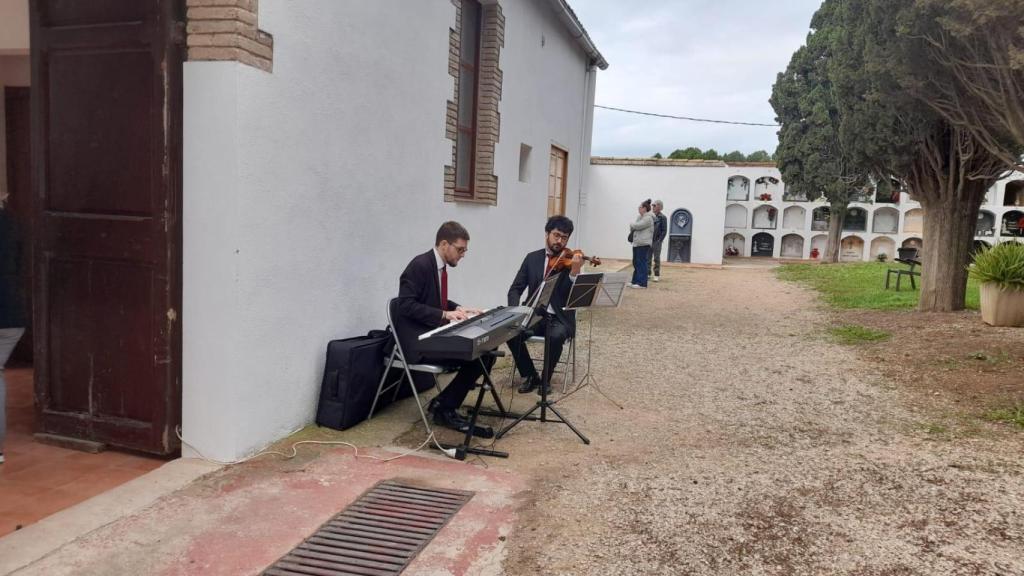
x: 460, y: 249
x: 560, y: 236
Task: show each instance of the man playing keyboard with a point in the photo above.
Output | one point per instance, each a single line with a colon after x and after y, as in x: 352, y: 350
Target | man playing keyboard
x: 423, y: 305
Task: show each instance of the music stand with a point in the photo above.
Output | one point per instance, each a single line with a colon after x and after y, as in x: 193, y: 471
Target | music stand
x: 591, y: 291
x: 543, y: 404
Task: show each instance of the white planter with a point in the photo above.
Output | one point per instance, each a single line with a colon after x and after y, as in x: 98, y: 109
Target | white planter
x: 1001, y: 307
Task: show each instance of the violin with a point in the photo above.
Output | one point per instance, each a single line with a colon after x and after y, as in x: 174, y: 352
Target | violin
x: 563, y: 261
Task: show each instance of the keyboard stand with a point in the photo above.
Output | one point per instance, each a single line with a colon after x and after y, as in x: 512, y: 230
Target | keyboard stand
x: 465, y: 448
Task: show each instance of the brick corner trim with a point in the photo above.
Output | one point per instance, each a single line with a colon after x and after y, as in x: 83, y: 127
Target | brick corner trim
x: 488, y: 116
x: 226, y: 30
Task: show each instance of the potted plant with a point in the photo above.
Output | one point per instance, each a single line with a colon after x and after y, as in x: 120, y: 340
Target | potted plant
x: 882, y: 257
x: 815, y: 253
x: 1000, y: 270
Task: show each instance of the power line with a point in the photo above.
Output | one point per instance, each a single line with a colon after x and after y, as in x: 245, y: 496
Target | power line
x: 685, y: 117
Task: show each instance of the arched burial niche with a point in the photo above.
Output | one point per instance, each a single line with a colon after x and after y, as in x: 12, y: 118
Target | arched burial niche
x: 734, y: 245
x: 766, y: 185
x: 1013, y: 194
x: 792, y: 246
x: 856, y: 220
x: 1013, y: 223
x: 766, y: 217
x: 913, y: 243
x: 986, y: 224
x: 739, y: 189
x: 762, y: 245
x: 793, y: 218
x: 736, y: 216
x: 913, y: 221
x: 819, y: 243
x: 851, y: 249
x: 885, y: 246
x: 886, y: 221
x: 820, y: 218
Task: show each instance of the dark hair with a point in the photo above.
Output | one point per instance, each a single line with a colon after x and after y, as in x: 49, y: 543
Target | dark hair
x: 560, y: 223
x: 646, y: 204
x: 451, y: 231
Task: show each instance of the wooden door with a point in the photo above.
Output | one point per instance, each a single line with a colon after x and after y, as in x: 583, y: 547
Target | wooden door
x: 556, y: 180
x: 106, y: 146
x: 16, y: 111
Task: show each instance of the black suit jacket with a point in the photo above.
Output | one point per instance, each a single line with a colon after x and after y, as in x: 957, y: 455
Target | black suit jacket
x: 418, y: 308
x: 529, y: 277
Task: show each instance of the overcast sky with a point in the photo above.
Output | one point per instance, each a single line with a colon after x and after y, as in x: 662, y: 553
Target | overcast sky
x: 700, y: 58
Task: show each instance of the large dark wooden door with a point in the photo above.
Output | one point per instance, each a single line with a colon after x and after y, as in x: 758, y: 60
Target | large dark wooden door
x: 106, y: 146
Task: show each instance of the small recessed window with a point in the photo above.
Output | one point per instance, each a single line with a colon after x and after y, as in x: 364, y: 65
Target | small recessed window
x: 524, y: 162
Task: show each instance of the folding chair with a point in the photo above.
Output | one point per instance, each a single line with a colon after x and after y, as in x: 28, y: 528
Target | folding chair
x: 567, y: 361
x: 397, y: 360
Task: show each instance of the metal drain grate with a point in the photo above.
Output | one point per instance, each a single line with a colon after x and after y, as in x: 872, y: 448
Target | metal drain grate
x: 377, y: 535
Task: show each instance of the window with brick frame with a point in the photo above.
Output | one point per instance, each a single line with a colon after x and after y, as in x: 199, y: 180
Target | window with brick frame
x: 469, y: 65
x: 473, y: 118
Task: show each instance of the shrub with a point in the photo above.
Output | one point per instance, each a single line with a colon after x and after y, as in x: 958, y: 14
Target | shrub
x: 1002, y: 265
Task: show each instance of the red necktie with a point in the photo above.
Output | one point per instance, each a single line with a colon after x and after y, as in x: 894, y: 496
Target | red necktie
x: 444, y: 288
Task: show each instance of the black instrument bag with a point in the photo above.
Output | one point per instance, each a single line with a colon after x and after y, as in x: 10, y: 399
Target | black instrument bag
x: 352, y: 373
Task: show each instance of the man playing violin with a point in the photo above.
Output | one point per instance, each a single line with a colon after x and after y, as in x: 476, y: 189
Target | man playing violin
x: 557, y: 324
x: 423, y: 305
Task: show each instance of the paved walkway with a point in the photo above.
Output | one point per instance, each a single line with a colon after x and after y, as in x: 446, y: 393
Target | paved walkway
x: 748, y: 444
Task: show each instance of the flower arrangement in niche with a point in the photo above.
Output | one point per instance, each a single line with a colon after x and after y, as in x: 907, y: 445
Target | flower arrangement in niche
x: 772, y: 212
x: 765, y: 197
x: 815, y: 253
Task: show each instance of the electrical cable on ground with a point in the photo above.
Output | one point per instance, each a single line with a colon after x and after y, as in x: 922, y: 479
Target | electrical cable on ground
x: 733, y: 122
x: 294, y: 452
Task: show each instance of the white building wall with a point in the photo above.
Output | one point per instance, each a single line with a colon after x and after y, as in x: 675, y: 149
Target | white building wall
x: 615, y: 192
x: 308, y: 190
x: 14, y: 27
x: 617, y: 186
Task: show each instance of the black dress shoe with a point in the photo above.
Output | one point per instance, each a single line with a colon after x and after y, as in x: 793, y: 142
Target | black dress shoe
x: 453, y: 420
x: 433, y: 405
x: 529, y: 384
x: 544, y: 390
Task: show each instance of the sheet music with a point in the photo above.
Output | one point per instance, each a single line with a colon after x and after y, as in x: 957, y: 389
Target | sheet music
x: 612, y: 287
x: 583, y: 291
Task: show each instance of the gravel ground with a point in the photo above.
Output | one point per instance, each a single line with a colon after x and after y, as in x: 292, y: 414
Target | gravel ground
x: 750, y: 444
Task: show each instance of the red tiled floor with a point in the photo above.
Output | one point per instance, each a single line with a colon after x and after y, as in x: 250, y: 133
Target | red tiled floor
x: 37, y: 479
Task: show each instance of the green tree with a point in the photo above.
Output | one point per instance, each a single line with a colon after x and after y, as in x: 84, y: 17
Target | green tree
x: 810, y: 154
x: 977, y: 47
x: 690, y: 153
x: 759, y: 156
x: 657, y: 156
x: 710, y: 154
x: 873, y: 59
x: 735, y: 156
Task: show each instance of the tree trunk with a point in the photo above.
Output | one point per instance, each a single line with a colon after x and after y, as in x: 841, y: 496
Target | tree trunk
x: 837, y: 217
x: 949, y: 176
x: 948, y: 238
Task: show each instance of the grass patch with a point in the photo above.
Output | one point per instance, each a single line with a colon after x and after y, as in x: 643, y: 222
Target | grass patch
x: 991, y: 358
x: 936, y: 429
x: 1013, y: 415
x: 860, y: 285
x: 854, y: 334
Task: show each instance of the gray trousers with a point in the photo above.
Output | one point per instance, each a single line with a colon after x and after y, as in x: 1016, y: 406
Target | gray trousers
x: 8, y: 340
x: 654, y: 264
